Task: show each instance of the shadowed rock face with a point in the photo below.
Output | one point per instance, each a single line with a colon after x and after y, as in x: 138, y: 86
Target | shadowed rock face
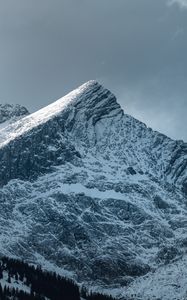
x: 92, y: 190
x: 90, y: 120
x: 8, y: 111
x: 47, y: 145
x: 28, y: 158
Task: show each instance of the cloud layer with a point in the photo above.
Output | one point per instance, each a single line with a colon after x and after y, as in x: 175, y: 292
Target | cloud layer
x: 182, y: 3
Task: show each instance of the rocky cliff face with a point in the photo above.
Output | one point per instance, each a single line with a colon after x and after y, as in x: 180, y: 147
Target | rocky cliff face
x: 8, y: 111
x: 92, y: 190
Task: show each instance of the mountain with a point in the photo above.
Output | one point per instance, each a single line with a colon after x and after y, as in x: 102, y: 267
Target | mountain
x: 12, y: 112
x: 96, y: 195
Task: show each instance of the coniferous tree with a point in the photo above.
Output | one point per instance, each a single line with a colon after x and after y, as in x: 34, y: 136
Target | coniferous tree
x: 1, y: 291
x: 1, y: 273
x: 42, y: 284
x: 9, y: 278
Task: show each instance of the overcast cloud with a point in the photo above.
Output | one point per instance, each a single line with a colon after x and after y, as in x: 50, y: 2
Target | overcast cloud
x: 136, y: 48
x: 181, y: 3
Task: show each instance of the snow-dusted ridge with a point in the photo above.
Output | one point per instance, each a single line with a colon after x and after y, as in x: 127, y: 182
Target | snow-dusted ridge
x: 90, y: 117
x: 47, y: 113
x: 92, y: 190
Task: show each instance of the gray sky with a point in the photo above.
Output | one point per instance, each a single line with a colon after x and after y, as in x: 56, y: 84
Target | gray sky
x: 136, y: 48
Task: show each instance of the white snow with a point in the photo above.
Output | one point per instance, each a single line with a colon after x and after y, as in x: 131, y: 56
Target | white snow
x: 43, y: 115
x: 167, y: 283
x: 14, y: 283
x: 108, y: 148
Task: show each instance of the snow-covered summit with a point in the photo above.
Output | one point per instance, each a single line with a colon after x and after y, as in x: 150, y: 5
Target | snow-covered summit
x: 91, y: 98
x: 90, y: 121
x: 91, y: 189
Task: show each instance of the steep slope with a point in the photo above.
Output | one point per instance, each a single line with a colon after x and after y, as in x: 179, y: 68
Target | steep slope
x: 92, y: 190
x: 21, y: 281
x: 90, y: 120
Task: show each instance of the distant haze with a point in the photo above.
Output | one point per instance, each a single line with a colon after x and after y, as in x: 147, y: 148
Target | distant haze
x: 136, y: 48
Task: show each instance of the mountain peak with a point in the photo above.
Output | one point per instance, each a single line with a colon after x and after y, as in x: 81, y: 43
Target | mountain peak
x: 9, y: 111
x: 90, y: 84
x: 80, y: 175
x: 91, y: 100
x: 91, y: 92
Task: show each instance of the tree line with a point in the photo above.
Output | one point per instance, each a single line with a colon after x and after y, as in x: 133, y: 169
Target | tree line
x: 41, y: 284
